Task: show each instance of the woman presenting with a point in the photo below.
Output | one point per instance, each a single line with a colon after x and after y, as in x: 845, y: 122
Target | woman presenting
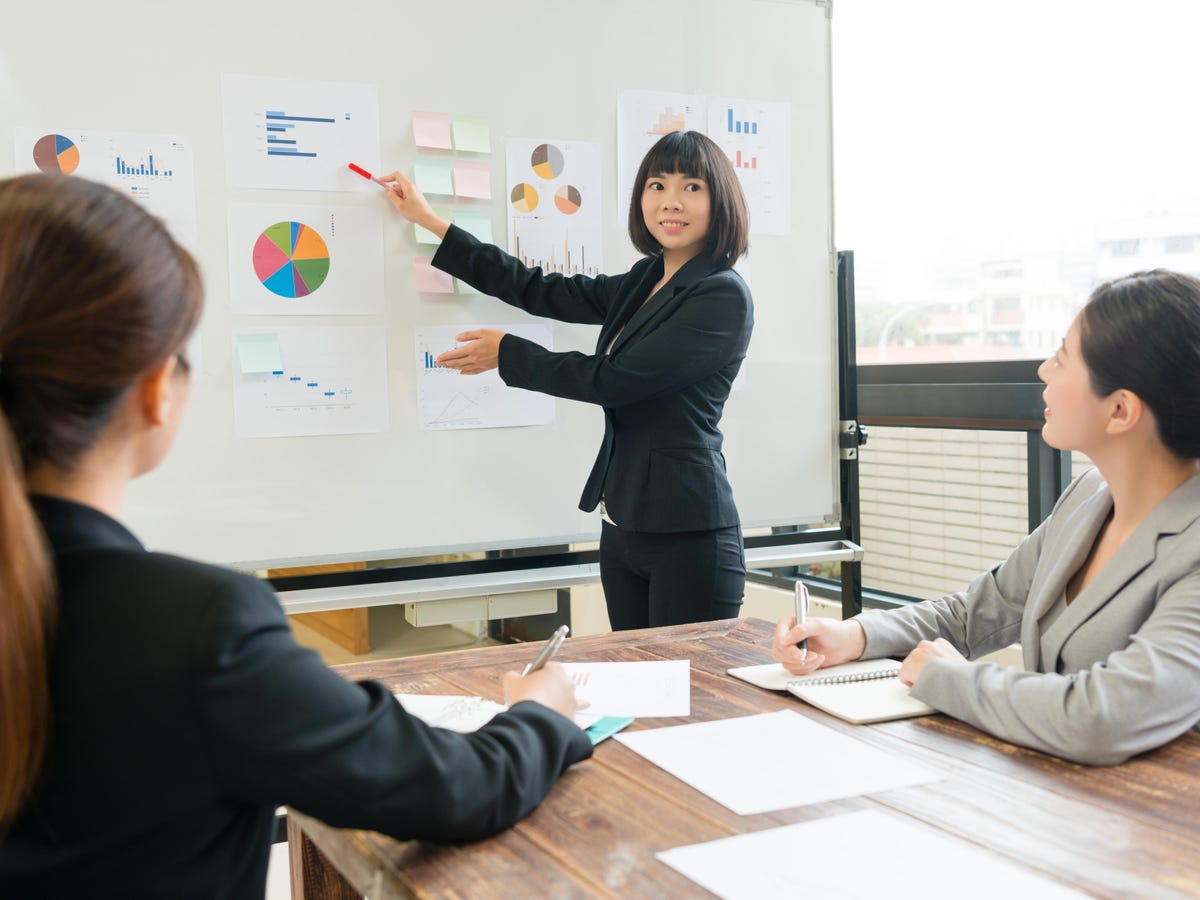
x: 673, y: 334
x: 1104, y: 596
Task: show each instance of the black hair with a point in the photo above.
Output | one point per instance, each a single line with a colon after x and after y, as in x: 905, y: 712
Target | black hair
x: 694, y: 155
x: 1142, y: 333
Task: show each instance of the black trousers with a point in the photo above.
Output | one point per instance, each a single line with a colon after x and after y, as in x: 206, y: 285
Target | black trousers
x: 671, y: 579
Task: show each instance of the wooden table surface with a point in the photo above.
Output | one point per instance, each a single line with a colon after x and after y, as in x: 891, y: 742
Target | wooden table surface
x: 1127, y: 831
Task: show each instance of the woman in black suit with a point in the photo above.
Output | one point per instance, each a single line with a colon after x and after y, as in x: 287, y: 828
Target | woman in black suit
x: 673, y: 333
x: 154, y: 710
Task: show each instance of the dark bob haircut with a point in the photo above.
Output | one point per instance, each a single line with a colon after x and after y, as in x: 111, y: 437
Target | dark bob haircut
x: 696, y: 156
x: 1142, y: 333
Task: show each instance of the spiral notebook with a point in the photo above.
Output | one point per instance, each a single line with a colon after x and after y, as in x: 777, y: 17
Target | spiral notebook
x: 861, y: 692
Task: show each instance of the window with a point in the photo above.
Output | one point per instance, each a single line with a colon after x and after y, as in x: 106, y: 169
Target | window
x: 962, y: 176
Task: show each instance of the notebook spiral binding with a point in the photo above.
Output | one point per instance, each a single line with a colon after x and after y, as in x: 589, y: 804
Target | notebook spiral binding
x: 846, y: 679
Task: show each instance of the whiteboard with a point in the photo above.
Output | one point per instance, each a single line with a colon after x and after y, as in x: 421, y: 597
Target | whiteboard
x: 547, y: 69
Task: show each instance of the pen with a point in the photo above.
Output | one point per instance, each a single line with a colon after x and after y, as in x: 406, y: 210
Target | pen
x: 548, y: 651
x: 802, y: 615
x: 359, y: 170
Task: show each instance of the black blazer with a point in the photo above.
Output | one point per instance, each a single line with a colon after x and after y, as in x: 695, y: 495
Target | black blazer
x: 184, y: 713
x: 663, y: 384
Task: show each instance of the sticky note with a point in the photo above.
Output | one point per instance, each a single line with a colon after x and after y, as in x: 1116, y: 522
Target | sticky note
x: 433, y: 176
x: 477, y: 223
x: 259, y: 352
x: 431, y: 129
x: 430, y: 280
x: 461, y: 287
x: 472, y: 179
x: 471, y: 134
x: 424, y: 235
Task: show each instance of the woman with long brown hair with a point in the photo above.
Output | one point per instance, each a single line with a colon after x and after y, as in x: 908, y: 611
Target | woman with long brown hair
x: 155, y: 710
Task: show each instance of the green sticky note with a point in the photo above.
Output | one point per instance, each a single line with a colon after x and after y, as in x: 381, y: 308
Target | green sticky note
x: 259, y: 352
x: 471, y: 134
x: 477, y: 223
x: 461, y: 287
x: 606, y: 728
x: 433, y: 176
x: 424, y: 235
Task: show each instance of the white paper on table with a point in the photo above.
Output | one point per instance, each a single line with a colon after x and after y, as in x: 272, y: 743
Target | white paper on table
x: 638, y: 689
x: 453, y: 711
x: 826, y: 856
x: 464, y: 714
x: 755, y: 764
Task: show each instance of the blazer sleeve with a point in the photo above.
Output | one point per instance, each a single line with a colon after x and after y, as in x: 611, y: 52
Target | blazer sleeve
x: 983, y: 618
x: 986, y: 616
x: 489, y: 269
x: 705, y: 332
x: 282, y: 728
x: 1136, y: 699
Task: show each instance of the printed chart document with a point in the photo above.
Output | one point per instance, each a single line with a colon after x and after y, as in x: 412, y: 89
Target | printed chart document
x: 638, y: 689
x: 448, y: 400
x: 861, y: 692
x: 825, y: 858
x: 770, y: 751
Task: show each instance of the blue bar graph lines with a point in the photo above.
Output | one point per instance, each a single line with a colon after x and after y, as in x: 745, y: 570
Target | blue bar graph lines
x: 281, y: 141
x: 276, y: 115
x: 316, y: 393
x: 737, y: 126
x: 143, y: 167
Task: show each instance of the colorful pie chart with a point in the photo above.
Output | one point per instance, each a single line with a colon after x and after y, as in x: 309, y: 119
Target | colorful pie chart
x: 291, y: 259
x: 524, y: 198
x: 54, y: 153
x: 547, y: 161
x: 568, y: 199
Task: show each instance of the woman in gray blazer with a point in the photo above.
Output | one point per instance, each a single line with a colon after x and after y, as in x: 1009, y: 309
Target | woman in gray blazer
x: 1104, y: 596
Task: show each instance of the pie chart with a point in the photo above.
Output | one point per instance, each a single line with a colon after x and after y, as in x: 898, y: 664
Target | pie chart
x: 56, y: 154
x: 568, y: 200
x: 524, y: 198
x: 291, y: 259
x: 547, y: 161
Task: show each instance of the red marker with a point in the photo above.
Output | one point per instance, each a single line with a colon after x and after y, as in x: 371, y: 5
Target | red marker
x: 359, y: 170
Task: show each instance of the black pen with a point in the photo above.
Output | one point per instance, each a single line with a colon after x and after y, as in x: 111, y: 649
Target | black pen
x: 802, y: 615
x: 548, y: 651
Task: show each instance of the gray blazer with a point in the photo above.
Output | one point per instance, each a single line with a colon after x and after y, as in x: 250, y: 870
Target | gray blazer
x: 1115, y: 674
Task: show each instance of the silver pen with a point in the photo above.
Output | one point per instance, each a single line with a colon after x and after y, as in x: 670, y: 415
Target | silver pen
x: 548, y: 651
x: 802, y: 615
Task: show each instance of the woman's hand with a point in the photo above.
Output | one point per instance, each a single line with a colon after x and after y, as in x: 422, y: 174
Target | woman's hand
x: 549, y: 686
x: 830, y: 643
x: 480, y: 354
x: 408, y: 200
x: 914, y: 664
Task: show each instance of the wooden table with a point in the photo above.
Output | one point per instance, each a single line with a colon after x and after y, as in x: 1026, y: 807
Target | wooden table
x: 1128, y: 831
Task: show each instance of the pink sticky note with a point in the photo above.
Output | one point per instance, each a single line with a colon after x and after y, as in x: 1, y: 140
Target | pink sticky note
x: 432, y: 129
x: 430, y: 280
x: 472, y: 179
